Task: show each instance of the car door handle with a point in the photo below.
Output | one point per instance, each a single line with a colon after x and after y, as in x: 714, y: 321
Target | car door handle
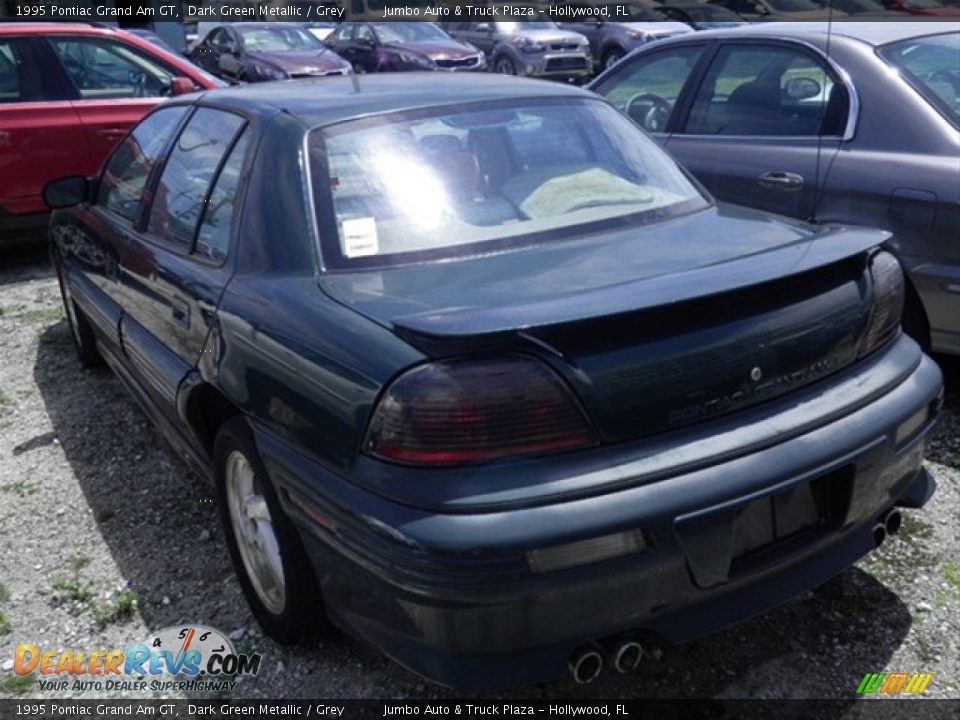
x: 781, y: 180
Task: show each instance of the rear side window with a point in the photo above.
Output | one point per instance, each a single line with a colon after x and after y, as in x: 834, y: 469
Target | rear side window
x: 189, y: 171
x: 22, y: 75
x: 126, y: 172
x: 107, y: 69
x: 761, y: 90
x: 213, y: 240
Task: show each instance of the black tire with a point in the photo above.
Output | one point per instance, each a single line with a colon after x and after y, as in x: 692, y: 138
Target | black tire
x: 504, y: 65
x: 84, y: 340
x: 302, y: 610
x: 611, y: 57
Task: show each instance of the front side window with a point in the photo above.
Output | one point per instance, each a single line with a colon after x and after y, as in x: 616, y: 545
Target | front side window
x: 103, y: 69
x: 932, y: 65
x: 23, y: 77
x: 647, y: 88
x: 126, y: 172
x: 193, y: 162
x: 441, y: 180
x: 760, y: 90
x: 343, y: 33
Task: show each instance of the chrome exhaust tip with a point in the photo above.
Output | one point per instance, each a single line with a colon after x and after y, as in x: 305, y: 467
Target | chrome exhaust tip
x: 893, y: 521
x: 879, y: 534
x: 586, y: 665
x: 627, y: 657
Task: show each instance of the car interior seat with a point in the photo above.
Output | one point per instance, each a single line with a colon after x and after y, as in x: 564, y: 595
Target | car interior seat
x: 754, y: 108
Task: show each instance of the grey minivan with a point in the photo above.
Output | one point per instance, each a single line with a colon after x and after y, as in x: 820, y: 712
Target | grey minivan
x: 866, y: 135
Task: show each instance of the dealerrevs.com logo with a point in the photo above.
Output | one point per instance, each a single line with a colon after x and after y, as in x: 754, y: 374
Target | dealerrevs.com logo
x: 181, y: 658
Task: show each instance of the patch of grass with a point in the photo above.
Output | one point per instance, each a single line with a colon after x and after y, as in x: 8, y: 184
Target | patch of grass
x: 23, y: 488
x: 18, y: 684
x: 915, y: 528
x: 951, y: 572
x: 75, y: 588
x: 4, y: 593
x: 41, y: 315
x: 4, y: 400
x: 5, y: 626
x: 118, y: 608
x: 955, y: 462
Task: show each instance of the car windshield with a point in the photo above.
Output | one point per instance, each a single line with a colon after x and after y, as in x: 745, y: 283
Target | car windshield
x: 439, y: 181
x: 788, y: 6
x: 932, y: 64
x: 279, y: 39
x: 399, y: 32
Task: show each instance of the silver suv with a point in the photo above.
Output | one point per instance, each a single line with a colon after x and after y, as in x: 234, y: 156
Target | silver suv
x: 536, y: 48
x: 615, y: 29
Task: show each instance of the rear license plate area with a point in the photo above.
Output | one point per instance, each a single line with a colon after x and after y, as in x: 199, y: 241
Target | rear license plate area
x: 730, y: 541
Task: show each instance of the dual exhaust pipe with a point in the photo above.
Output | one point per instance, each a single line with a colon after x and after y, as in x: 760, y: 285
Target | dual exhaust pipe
x: 888, y: 524
x: 587, y: 663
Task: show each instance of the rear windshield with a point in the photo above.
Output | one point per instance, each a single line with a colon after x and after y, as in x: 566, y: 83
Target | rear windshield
x: 449, y: 181
x: 932, y: 65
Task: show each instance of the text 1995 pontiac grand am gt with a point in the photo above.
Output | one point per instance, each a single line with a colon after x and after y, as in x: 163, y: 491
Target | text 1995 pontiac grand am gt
x: 485, y: 388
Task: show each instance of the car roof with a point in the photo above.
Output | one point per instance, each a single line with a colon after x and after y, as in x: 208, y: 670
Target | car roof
x: 328, y: 100
x: 871, y: 33
x: 29, y: 28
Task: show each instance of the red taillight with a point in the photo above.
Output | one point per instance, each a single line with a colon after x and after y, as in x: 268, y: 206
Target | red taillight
x: 448, y: 413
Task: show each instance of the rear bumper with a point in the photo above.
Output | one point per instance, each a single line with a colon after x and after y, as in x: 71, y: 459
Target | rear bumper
x: 453, y: 596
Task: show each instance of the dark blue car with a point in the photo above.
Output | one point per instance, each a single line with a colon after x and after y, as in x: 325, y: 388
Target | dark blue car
x: 483, y: 378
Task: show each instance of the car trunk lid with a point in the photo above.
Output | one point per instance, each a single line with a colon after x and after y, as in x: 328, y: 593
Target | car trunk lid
x: 676, y: 323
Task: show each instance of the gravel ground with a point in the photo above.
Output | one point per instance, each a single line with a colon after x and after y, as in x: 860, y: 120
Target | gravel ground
x: 106, y: 535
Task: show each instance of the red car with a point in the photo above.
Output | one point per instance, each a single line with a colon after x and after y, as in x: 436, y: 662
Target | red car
x: 933, y: 8
x: 68, y: 94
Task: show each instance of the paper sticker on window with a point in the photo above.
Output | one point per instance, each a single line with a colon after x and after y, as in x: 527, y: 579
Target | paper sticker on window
x: 359, y: 237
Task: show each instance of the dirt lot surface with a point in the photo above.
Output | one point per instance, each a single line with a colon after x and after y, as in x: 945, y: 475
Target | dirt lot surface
x: 106, y: 536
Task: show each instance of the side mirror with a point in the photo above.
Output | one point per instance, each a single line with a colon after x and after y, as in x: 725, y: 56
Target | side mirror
x: 366, y: 41
x: 181, y: 86
x: 66, y: 192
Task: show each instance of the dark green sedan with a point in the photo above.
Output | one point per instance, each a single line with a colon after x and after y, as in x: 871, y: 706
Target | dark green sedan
x: 482, y: 377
